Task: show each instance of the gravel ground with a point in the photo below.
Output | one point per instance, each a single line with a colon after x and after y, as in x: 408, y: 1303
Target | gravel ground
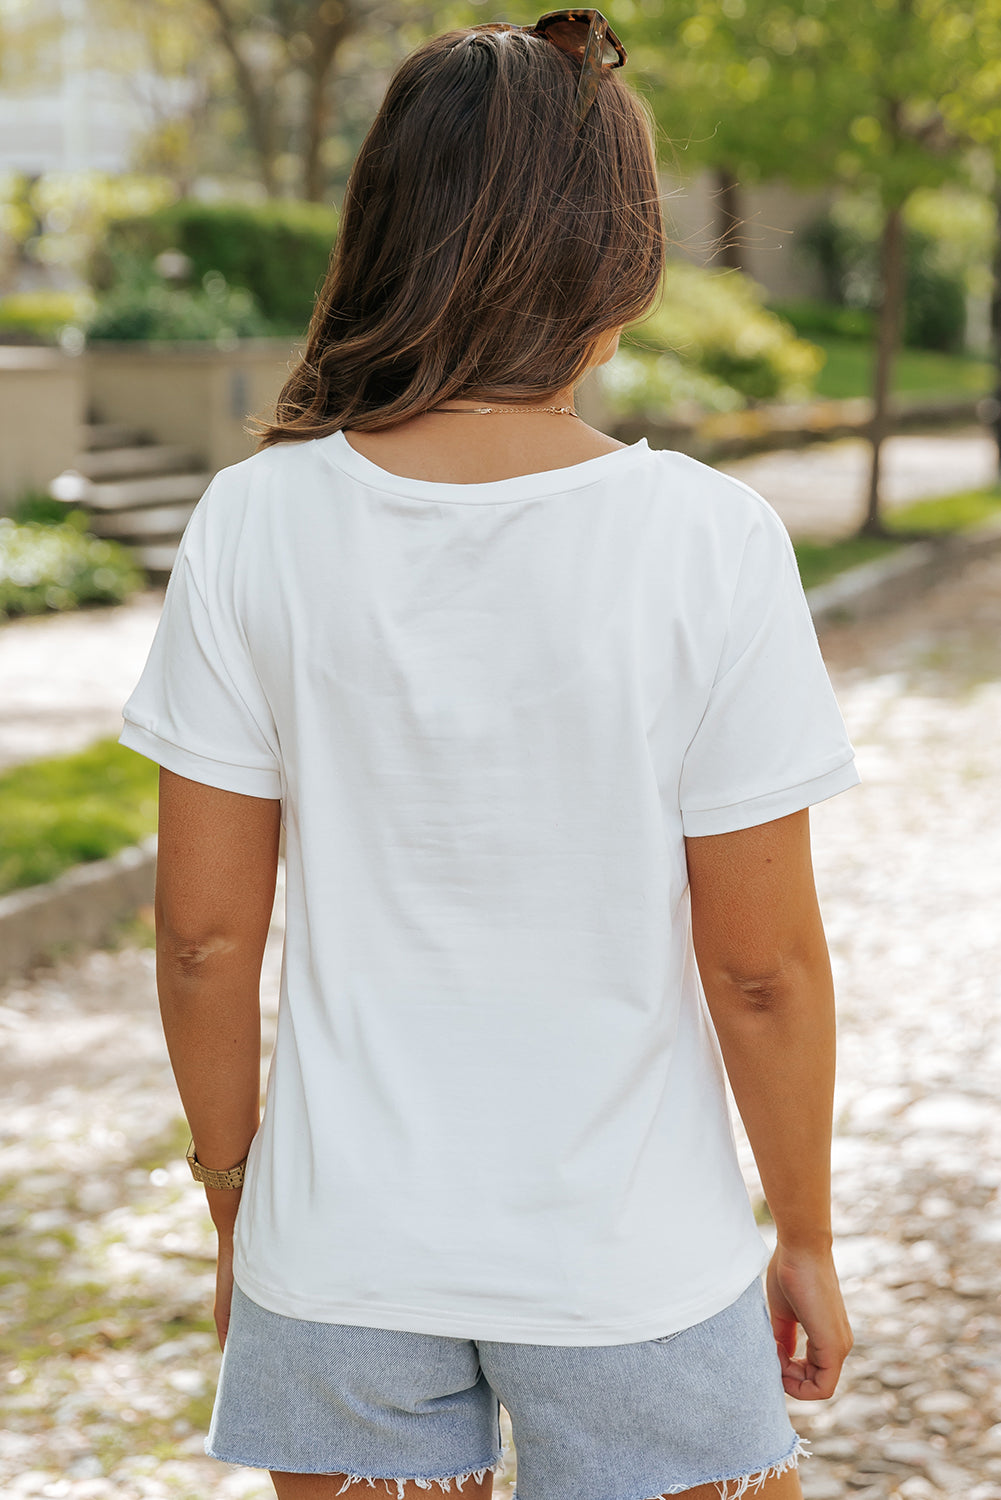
x: 105, y: 1287
x: 64, y: 677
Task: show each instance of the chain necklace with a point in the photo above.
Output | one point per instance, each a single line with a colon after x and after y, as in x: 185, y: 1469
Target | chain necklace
x: 483, y: 411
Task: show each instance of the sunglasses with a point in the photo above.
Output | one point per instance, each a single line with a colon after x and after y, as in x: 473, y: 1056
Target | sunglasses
x: 584, y: 35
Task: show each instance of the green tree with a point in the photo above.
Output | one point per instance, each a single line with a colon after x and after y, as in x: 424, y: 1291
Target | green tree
x: 285, y: 87
x: 274, y: 60
x: 272, y: 43
x: 869, y: 93
x: 284, y: 57
x: 157, y: 49
x: 977, y: 113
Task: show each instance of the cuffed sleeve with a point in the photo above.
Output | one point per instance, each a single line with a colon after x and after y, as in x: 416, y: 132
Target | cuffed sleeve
x: 771, y: 740
x: 199, y: 708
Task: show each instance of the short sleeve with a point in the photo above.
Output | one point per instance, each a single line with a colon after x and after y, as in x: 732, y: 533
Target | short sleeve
x: 199, y: 708
x: 771, y: 740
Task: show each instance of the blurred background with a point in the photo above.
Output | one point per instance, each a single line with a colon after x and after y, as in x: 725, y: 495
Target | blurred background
x: 170, y: 178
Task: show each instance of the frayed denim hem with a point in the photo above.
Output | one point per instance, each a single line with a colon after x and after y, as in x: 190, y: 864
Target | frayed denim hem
x: 444, y: 1484
x: 742, y: 1484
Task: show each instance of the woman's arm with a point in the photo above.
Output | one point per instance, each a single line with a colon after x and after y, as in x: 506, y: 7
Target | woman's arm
x: 217, y: 861
x: 762, y: 955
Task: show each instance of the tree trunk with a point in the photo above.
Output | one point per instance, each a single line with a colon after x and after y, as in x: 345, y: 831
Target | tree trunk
x: 729, y: 219
x: 258, y: 108
x: 996, y: 327
x: 316, y: 117
x: 327, y: 40
x: 887, y: 340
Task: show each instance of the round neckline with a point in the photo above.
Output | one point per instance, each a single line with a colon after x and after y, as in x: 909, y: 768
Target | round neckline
x: 338, y: 451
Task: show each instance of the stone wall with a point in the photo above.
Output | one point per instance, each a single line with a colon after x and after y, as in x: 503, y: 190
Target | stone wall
x: 195, y: 395
x: 42, y: 405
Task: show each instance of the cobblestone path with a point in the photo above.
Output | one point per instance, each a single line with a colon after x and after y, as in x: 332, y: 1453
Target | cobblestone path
x: 107, y: 1272
x: 819, y: 491
x: 64, y: 677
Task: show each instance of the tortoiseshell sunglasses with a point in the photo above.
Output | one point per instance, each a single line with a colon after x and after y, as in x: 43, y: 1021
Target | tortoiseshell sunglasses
x: 584, y: 35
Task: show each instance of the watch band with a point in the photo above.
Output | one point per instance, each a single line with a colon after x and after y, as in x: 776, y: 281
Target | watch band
x: 232, y: 1178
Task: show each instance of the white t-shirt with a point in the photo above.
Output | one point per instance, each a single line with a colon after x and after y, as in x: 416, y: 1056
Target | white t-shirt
x: 496, y: 1104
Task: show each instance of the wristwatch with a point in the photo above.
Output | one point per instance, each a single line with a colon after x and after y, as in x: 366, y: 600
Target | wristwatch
x: 233, y: 1178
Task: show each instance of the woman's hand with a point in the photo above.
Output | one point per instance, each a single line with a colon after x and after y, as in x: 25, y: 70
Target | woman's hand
x: 803, y: 1290
x: 223, y: 1286
x: 223, y: 1204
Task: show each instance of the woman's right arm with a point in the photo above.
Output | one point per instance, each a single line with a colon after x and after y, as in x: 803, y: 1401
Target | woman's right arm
x: 762, y: 955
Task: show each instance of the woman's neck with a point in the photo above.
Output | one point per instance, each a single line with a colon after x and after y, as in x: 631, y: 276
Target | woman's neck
x: 479, y: 400
x: 453, y: 447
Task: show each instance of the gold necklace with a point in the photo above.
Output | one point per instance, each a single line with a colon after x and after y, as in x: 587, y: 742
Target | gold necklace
x: 483, y: 411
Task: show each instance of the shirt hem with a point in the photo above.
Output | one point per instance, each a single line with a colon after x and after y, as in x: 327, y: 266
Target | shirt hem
x: 488, y: 1327
x: 751, y: 811
x: 250, y: 781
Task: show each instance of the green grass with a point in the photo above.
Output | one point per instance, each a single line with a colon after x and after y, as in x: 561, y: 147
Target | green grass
x: 58, y: 813
x: 947, y: 512
x: 848, y: 371
x: 821, y: 561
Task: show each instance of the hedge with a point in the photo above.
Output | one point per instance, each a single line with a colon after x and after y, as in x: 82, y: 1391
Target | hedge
x: 54, y: 567
x: 41, y: 316
x: 278, y: 250
x: 146, y: 309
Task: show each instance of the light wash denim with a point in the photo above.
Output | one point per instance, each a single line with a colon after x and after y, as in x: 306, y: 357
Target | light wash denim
x: 606, y: 1422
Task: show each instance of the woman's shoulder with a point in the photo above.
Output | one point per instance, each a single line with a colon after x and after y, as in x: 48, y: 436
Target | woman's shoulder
x: 279, y: 459
x: 268, y: 476
x: 711, y: 500
x: 245, y: 504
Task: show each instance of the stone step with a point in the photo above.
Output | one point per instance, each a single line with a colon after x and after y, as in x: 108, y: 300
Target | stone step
x: 148, y: 458
x: 155, y: 557
x: 159, y: 522
x: 100, y: 435
x: 161, y: 489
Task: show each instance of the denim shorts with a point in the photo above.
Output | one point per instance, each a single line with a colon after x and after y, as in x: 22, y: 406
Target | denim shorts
x: 607, y: 1422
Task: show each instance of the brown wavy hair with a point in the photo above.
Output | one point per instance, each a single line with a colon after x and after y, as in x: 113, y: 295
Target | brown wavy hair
x: 485, y: 244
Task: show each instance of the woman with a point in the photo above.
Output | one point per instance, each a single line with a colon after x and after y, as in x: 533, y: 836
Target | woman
x: 542, y: 715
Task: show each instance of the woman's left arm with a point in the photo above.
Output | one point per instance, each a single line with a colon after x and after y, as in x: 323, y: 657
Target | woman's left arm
x: 217, y: 863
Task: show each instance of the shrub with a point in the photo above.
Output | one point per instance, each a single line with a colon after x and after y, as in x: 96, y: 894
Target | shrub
x: 846, y: 251
x: 43, y: 316
x: 825, y: 319
x: 52, y: 220
x: 641, y: 385
x: 935, y: 308
x: 144, y: 308
x: 715, y: 323
x: 59, y: 566
x: 278, y: 250
x: 36, y: 505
